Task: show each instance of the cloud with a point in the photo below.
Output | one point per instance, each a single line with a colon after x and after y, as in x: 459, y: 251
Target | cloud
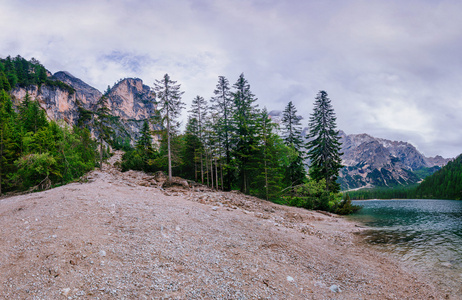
x: 391, y: 68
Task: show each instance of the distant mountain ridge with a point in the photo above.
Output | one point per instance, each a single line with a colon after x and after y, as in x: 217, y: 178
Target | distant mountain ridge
x: 377, y: 162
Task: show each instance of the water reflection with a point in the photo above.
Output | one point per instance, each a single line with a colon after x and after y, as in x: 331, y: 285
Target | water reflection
x: 424, y: 233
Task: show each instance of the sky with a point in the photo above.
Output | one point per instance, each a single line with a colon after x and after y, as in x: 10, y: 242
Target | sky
x: 392, y: 68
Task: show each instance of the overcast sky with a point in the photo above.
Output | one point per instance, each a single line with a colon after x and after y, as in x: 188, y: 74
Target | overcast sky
x: 393, y: 69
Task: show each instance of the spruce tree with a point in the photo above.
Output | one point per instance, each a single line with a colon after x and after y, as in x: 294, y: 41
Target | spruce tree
x: 169, y: 95
x: 144, y: 142
x: 292, y: 135
x: 223, y: 106
x: 245, y: 127
x: 323, y: 143
x: 102, y: 112
x: 268, y: 182
x: 198, y: 116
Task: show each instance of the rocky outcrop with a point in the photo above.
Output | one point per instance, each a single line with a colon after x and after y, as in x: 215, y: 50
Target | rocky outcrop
x: 85, y: 94
x: 131, y: 99
x: 130, y: 103
x: 371, y: 161
x: 58, y: 104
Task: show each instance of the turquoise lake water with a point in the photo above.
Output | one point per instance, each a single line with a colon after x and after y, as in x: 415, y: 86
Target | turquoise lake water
x: 426, y: 234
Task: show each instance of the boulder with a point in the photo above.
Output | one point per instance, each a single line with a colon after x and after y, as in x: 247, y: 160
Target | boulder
x: 176, y: 181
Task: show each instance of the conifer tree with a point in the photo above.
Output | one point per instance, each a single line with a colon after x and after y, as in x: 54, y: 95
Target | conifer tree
x: 245, y: 130
x: 144, y: 142
x: 223, y: 106
x: 192, y: 151
x: 323, y: 143
x: 292, y: 135
x: 169, y: 95
x: 268, y: 182
x: 102, y: 112
x: 198, y: 112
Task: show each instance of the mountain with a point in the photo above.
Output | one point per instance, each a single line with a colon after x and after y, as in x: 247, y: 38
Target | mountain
x: 130, y: 102
x: 376, y: 162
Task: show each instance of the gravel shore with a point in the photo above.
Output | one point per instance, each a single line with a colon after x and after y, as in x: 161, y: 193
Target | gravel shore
x: 121, y: 236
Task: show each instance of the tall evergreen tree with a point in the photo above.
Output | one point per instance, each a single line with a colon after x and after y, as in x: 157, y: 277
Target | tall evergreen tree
x: 223, y: 106
x: 144, y: 142
x: 102, y: 112
x: 323, y: 143
x: 192, y: 150
x: 268, y: 181
x: 198, y: 112
x: 292, y: 135
x: 170, y: 104
x: 245, y: 127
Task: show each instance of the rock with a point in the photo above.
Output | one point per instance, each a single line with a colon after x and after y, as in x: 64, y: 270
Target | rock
x: 335, y: 288
x: 176, y: 181
x: 215, y: 208
x: 102, y: 253
x: 65, y: 291
x: 160, y: 177
x: 446, y: 264
x: 290, y: 279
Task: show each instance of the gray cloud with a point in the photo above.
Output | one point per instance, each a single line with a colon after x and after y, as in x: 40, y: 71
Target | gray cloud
x: 391, y: 68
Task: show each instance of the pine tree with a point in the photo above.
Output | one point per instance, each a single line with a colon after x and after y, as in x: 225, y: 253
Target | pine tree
x: 292, y: 135
x: 198, y: 112
x: 223, y: 106
x: 102, y: 112
x: 323, y: 143
x: 192, y: 151
x: 169, y: 95
x: 268, y: 182
x: 144, y: 142
x: 245, y: 127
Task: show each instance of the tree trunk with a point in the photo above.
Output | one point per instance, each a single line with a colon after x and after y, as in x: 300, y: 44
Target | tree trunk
x: 202, y: 168
x: 221, y: 174
x: 195, y: 165
x: 168, y: 151
x: 211, y: 170
x: 216, y: 174
x: 101, y: 152
x: 207, y: 168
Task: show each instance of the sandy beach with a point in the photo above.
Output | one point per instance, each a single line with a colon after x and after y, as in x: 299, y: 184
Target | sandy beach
x: 120, y: 236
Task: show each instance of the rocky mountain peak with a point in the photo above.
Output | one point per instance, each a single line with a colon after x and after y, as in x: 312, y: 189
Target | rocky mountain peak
x: 86, y: 94
x: 131, y: 99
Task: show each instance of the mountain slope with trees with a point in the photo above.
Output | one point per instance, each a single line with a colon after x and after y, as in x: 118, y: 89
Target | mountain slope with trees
x: 443, y: 184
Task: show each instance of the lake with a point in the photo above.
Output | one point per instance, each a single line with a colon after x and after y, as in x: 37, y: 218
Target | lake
x: 426, y: 234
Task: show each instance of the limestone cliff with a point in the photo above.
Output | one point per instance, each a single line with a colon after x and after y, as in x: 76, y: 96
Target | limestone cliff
x: 58, y: 104
x: 131, y: 99
x: 130, y: 103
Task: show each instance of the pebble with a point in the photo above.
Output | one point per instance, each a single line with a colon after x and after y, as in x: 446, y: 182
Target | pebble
x: 446, y: 264
x: 66, y: 291
x: 290, y: 279
x: 102, y: 253
x: 335, y: 288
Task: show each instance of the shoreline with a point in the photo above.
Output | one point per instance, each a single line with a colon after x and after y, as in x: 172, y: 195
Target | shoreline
x: 119, y: 237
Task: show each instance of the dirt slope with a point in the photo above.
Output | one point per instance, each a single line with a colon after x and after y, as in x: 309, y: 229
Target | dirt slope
x: 119, y: 236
